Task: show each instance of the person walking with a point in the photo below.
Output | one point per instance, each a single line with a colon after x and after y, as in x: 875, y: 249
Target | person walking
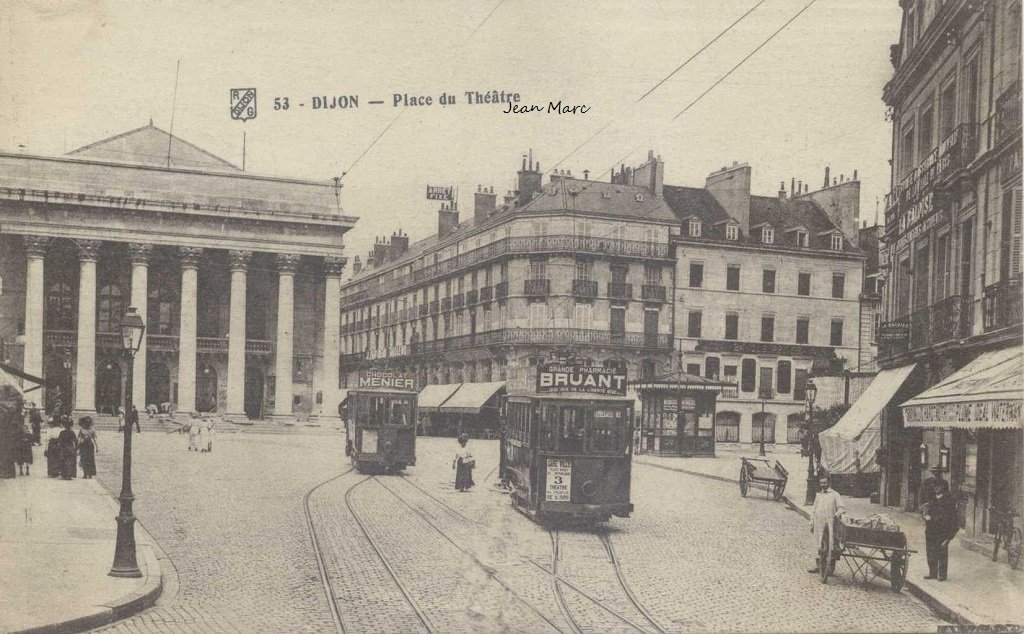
x: 88, y: 445
x: 204, y: 435
x: 67, y: 449
x: 120, y: 419
x: 193, y: 434
x: 23, y: 454
x: 941, y: 525
x: 36, y: 420
x: 134, y: 418
x: 828, y: 504
x: 463, y: 465
x: 52, y: 451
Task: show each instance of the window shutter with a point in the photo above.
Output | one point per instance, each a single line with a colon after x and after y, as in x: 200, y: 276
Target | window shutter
x: 1015, y: 248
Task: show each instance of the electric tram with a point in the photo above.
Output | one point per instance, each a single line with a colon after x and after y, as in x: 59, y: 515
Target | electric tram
x: 567, y: 456
x: 381, y: 429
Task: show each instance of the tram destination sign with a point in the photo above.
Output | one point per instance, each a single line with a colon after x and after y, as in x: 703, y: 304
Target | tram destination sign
x: 555, y: 377
x: 386, y: 378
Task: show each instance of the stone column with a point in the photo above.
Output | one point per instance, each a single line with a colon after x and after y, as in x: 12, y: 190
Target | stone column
x: 85, y: 364
x: 236, y: 336
x: 286, y: 265
x: 35, y: 252
x: 189, y: 261
x: 139, y: 254
x: 333, y: 266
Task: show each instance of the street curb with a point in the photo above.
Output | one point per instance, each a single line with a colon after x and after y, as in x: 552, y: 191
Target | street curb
x: 959, y: 615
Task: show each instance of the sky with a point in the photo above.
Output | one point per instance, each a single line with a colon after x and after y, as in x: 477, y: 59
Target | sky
x: 77, y: 71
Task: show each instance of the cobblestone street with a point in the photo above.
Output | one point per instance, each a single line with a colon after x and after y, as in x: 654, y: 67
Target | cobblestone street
x: 411, y: 554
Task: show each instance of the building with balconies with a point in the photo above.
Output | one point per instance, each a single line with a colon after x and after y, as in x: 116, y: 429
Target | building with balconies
x: 767, y: 296
x: 951, y: 257
x: 200, y: 248
x: 572, y: 267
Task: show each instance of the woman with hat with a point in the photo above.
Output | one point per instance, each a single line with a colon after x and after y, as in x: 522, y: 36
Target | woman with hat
x: 52, y: 451
x: 463, y: 465
x: 67, y: 450
x: 88, y: 445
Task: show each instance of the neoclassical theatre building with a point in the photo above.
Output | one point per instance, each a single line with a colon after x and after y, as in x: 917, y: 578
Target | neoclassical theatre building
x: 237, y: 277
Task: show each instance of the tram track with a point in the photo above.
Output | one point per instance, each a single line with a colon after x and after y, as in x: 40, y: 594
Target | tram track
x: 606, y: 541
x: 318, y: 552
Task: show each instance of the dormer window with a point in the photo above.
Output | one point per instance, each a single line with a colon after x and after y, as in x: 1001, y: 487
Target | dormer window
x: 694, y: 228
x: 801, y: 238
x: 767, y: 235
x: 732, y: 232
x: 837, y: 242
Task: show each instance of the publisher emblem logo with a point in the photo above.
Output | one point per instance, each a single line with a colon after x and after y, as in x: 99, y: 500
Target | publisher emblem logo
x: 243, y: 104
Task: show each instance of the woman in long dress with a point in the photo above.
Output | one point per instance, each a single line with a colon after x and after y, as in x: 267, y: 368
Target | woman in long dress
x: 88, y: 445
x: 52, y: 451
x: 67, y: 446
x: 204, y: 436
x: 193, y: 434
x: 24, y: 451
x: 463, y: 465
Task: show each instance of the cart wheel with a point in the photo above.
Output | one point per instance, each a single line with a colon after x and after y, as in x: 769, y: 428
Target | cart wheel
x: 744, y: 485
x: 824, y: 556
x: 1013, y: 548
x: 897, y: 571
x: 777, y: 490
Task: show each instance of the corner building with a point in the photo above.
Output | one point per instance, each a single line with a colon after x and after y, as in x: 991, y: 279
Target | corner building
x: 952, y: 259
x: 237, y: 277
x: 577, y: 267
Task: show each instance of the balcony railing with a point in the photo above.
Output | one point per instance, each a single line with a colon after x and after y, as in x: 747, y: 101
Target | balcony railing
x: 433, y: 307
x: 537, y: 288
x: 446, y: 304
x: 352, y: 360
x: 501, y: 290
x: 652, y: 292
x: 486, y: 293
x: 620, y: 290
x: 459, y: 301
x: 584, y: 288
x: 1001, y: 304
x: 472, y: 297
x: 1008, y: 115
x: 948, y: 320
x: 576, y: 336
x: 951, y: 319
x: 423, y: 310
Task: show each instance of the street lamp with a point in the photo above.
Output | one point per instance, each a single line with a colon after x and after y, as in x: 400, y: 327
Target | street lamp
x: 812, y: 443
x: 765, y: 395
x: 125, y: 564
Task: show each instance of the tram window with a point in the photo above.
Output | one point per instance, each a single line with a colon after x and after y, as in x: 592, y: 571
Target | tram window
x: 400, y: 412
x: 606, y: 430
x: 547, y: 416
x: 572, y: 430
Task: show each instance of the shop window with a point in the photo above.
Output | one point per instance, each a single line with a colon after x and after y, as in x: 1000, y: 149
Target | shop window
x: 794, y: 428
x: 763, y: 427
x: 727, y: 427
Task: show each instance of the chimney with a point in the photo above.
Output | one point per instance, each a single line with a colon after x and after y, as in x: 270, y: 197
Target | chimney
x: 799, y: 187
x: 529, y: 180
x: 826, y: 175
x: 484, y: 203
x: 792, y: 187
x: 586, y: 175
x: 380, y: 251
x: 650, y: 175
x: 509, y: 198
x: 782, y: 190
x: 447, y: 221
x: 399, y: 245
x: 369, y: 260
x: 731, y: 188
x: 356, y: 266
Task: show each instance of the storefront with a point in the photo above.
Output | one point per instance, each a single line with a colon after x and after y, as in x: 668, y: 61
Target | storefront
x: 978, y: 409
x: 677, y: 414
x: 428, y: 419
x: 474, y: 409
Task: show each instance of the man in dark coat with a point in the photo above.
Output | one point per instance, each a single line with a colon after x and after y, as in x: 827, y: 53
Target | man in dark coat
x: 134, y: 414
x: 941, y: 524
x: 926, y: 493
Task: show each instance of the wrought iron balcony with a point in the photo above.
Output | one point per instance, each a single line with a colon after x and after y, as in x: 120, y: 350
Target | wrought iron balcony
x: 537, y: 288
x: 472, y: 297
x: 584, y: 288
x: 433, y: 307
x: 652, y: 292
x: 486, y: 293
x: 501, y: 290
x: 1001, y: 304
x: 1008, y: 115
x: 423, y: 310
x: 948, y: 320
x: 446, y: 304
x: 620, y: 290
x: 545, y: 336
x: 352, y: 360
x: 459, y: 300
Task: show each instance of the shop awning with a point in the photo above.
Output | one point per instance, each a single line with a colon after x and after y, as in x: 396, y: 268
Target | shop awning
x: 849, y: 445
x: 682, y: 381
x: 469, y: 398
x: 432, y: 396
x: 984, y: 394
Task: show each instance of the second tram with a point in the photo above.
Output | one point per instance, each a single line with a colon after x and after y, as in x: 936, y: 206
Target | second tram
x: 568, y: 456
x: 381, y: 430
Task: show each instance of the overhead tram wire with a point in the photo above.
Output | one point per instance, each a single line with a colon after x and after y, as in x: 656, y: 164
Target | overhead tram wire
x: 618, y: 116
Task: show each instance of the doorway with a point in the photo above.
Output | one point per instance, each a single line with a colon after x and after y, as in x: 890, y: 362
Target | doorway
x: 206, y: 389
x: 158, y: 384
x: 108, y: 387
x: 254, y: 392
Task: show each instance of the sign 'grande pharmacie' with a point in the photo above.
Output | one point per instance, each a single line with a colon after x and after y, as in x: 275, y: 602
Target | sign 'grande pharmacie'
x: 386, y: 378
x: 555, y: 377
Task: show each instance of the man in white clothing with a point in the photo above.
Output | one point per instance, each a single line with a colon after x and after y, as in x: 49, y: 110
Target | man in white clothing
x: 827, y: 505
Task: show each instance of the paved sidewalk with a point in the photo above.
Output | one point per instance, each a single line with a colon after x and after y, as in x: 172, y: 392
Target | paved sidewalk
x: 978, y: 591
x: 56, y: 546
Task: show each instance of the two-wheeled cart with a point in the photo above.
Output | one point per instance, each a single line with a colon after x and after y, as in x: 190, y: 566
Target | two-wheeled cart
x: 868, y: 551
x: 755, y: 471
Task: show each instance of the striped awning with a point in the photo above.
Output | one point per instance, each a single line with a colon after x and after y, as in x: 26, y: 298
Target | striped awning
x: 984, y: 394
x: 433, y: 396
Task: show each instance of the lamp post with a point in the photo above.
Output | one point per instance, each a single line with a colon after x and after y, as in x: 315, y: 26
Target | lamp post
x: 812, y: 442
x: 125, y: 564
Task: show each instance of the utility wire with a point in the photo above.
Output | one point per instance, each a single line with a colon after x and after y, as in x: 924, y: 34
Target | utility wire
x: 374, y: 142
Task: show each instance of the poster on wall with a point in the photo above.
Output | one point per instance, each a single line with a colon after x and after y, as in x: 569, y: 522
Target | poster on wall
x: 559, y: 480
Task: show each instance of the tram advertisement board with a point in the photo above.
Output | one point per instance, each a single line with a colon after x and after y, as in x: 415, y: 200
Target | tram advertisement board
x: 559, y: 480
x: 555, y: 377
x: 386, y: 378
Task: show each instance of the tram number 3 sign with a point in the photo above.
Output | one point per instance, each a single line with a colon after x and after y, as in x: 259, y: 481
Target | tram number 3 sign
x: 559, y: 480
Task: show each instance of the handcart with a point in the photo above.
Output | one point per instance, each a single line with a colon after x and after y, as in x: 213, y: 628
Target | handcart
x: 763, y: 473
x: 869, y: 550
